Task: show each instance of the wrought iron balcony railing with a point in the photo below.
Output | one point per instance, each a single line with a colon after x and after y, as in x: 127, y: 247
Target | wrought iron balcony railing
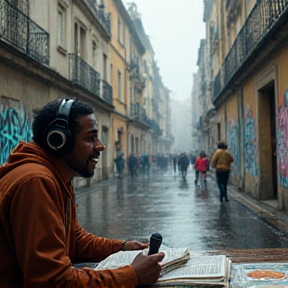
x: 106, y: 92
x: 157, y: 131
x: 105, y: 18
x: 137, y: 112
x: 20, y: 32
x: 262, y: 18
x: 83, y: 74
x: 100, y: 12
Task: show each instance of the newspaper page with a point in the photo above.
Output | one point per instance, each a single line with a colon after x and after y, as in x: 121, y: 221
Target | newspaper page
x: 119, y: 259
x: 205, y: 268
x: 122, y: 258
x: 259, y: 275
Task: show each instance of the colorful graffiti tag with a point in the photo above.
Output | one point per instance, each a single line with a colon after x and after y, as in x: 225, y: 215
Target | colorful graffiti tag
x: 282, y: 144
x: 233, y: 143
x: 15, y: 125
x: 250, y: 141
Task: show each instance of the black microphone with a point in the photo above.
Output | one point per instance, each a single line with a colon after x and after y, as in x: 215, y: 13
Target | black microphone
x: 155, y: 242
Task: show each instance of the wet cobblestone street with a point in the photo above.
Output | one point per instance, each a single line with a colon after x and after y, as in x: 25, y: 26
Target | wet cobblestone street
x: 163, y: 202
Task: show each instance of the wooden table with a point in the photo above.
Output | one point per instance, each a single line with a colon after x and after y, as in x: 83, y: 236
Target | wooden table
x: 244, y: 256
x: 254, y: 255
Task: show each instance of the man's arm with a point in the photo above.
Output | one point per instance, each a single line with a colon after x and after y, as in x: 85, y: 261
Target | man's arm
x: 42, y: 248
x: 92, y: 248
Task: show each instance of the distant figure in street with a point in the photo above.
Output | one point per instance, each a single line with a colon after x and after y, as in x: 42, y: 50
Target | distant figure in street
x: 201, y: 166
x: 132, y: 164
x: 145, y: 163
x: 175, y: 163
x: 192, y: 160
x: 183, y: 164
x: 119, y: 161
x: 222, y: 160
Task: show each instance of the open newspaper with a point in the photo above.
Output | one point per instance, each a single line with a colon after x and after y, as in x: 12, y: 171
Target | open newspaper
x: 179, y: 268
x: 204, y: 270
x: 174, y: 257
x: 259, y: 275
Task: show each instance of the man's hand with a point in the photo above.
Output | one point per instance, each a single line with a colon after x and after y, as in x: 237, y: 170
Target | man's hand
x: 147, y: 268
x: 134, y: 245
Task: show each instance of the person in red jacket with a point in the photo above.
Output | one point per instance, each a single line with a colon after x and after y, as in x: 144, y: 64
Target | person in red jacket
x: 40, y: 236
x: 201, y: 166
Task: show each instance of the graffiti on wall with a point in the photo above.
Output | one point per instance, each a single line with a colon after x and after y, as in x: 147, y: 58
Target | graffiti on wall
x: 282, y: 143
x: 233, y: 143
x: 15, y: 125
x: 250, y: 141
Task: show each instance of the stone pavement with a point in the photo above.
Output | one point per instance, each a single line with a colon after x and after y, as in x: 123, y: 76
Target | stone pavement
x: 266, y: 209
x: 164, y: 202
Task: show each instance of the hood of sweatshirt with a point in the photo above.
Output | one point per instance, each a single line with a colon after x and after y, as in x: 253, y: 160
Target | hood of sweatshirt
x: 28, y: 153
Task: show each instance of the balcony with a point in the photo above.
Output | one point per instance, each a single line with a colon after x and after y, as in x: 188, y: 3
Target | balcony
x: 138, y: 113
x: 251, y: 39
x: 100, y: 12
x: 106, y: 92
x: 157, y: 131
x: 84, y: 75
x: 20, y: 32
x: 136, y: 78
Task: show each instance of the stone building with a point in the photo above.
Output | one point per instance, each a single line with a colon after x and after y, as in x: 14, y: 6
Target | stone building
x: 248, y: 51
x: 84, y: 49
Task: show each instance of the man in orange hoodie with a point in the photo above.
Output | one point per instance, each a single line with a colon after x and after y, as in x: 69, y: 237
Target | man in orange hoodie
x: 39, y: 233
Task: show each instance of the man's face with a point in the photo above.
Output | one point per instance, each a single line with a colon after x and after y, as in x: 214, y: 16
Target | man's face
x: 85, y: 154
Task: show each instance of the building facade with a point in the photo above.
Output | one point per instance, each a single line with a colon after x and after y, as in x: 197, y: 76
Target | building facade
x: 249, y: 92
x: 84, y: 49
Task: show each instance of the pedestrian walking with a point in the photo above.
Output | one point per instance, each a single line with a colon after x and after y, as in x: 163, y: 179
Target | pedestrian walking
x: 145, y: 163
x: 132, y: 164
x: 192, y: 159
x: 120, y: 163
x: 222, y: 160
x: 40, y: 236
x: 174, y: 163
x: 201, y: 166
x: 183, y: 164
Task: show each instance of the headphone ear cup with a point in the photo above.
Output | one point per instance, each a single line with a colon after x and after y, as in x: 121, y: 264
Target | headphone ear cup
x: 57, y: 136
x: 58, y: 141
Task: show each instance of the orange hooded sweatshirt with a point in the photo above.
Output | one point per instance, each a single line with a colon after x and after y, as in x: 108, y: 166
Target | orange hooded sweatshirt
x: 39, y: 232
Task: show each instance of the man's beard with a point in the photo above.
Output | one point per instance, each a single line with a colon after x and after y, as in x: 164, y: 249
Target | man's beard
x: 84, y: 172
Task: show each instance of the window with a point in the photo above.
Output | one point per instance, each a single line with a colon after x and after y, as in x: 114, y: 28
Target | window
x: 119, y: 85
x: 104, y: 76
x: 111, y: 73
x: 94, y: 54
x: 80, y: 41
x: 61, y: 29
x: 124, y: 35
x: 119, y: 30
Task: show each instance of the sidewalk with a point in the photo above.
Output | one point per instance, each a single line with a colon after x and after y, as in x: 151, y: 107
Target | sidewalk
x: 266, y: 209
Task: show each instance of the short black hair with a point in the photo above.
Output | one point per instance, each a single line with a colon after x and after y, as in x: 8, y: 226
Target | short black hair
x: 48, y: 114
x: 222, y: 145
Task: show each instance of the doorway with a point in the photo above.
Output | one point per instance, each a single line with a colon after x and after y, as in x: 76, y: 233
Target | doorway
x: 268, y: 183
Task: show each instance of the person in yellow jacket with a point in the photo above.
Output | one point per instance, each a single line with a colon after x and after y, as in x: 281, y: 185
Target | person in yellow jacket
x: 222, y: 160
x: 40, y: 236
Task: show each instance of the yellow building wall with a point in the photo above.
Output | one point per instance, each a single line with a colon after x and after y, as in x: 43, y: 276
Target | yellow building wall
x: 232, y: 135
x: 282, y: 124
x: 118, y: 65
x: 250, y: 136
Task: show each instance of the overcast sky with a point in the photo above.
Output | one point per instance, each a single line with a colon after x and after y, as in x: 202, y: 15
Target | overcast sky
x: 175, y: 28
